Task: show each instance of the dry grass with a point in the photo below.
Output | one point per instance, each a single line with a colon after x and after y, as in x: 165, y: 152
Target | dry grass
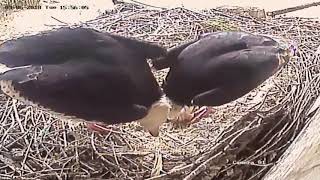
x: 241, y: 140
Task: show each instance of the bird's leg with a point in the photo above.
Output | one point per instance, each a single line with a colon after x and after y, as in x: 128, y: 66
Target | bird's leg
x: 97, y: 127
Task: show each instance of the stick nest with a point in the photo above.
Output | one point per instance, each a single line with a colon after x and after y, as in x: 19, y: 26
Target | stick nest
x: 241, y: 140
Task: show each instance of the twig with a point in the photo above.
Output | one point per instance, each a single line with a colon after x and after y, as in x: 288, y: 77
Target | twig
x: 148, y: 5
x: 292, y: 9
x: 59, y: 20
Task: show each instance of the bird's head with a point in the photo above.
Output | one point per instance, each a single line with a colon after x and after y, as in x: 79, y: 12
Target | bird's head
x: 293, y: 48
x: 288, y: 50
x: 287, y: 47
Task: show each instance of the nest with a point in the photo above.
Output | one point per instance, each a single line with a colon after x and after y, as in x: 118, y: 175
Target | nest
x: 241, y: 140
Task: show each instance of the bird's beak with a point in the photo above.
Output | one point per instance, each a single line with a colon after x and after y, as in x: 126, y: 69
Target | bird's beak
x: 293, y: 50
x: 154, y: 132
x: 284, y: 57
x: 288, y: 51
x: 288, y: 48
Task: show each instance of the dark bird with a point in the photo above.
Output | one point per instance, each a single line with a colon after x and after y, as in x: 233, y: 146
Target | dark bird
x: 83, y: 74
x: 218, y: 68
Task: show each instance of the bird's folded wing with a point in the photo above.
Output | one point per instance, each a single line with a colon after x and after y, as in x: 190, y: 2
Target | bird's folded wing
x: 59, y: 46
x: 235, y: 74
x: 87, y: 91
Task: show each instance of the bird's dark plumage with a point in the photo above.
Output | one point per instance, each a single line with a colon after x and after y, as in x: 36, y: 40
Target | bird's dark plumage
x: 83, y: 73
x: 220, y: 67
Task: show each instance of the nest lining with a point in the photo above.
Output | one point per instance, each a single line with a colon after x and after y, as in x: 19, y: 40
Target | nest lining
x: 240, y: 140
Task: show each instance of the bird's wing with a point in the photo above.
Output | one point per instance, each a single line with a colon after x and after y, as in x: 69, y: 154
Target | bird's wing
x: 90, y: 91
x: 250, y: 39
x: 59, y: 46
x: 218, y: 43
x: 234, y: 74
x: 209, y: 45
x: 50, y: 47
x: 212, y: 46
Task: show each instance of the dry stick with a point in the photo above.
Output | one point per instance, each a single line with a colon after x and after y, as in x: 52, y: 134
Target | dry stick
x: 64, y: 166
x: 258, y: 173
x: 9, y: 162
x: 52, y: 169
x: 261, y: 103
x: 17, y: 117
x: 96, y: 151
x: 23, y: 163
x: 8, y: 110
x: 5, y: 134
x: 203, y: 166
x: 59, y: 20
x: 206, y: 163
x: 172, y: 172
x: 117, y: 162
x: 292, y: 9
x: 148, y: 5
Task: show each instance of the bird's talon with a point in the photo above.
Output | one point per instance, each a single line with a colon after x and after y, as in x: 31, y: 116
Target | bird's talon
x: 99, y: 128
x: 195, y: 119
x: 202, y: 112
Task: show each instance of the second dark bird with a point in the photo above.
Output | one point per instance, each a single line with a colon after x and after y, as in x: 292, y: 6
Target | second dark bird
x: 218, y: 68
